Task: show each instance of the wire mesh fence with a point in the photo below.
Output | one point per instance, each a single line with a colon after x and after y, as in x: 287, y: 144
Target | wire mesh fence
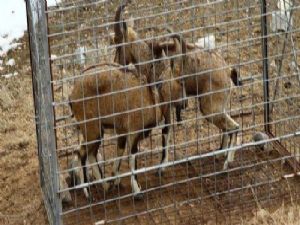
x: 199, y: 99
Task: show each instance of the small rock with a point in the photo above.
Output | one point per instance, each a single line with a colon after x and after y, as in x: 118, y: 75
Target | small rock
x: 260, y: 136
x: 287, y: 84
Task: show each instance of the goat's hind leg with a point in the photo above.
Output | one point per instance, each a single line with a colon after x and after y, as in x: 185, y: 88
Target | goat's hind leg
x: 165, y: 148
x: 88, y: 152
x: 83, y: 175
x: 88, y: 156
x: 224, y: 122
x: 96, y: 168
x: 224, y: 144
x: 117, y: 162
x: 132, y: 142
x: 215, y: 105
x: 230, y: 127
x: 79, y: 171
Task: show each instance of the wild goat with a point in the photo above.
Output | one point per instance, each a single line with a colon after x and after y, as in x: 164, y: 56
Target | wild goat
x: 106, y: 97
x: 207, y: 76
x: 207, y: 79
x: 145, y: 55
x: 212, y: 79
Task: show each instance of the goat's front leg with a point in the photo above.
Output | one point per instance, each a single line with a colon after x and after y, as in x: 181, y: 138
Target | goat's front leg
x: 165, y: 148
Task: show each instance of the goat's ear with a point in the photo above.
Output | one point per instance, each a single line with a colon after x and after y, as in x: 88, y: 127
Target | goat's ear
x: 190, y: 46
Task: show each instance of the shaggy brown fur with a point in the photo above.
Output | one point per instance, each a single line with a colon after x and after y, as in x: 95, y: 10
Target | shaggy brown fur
x: 207, y: 76
x: 106, y: 97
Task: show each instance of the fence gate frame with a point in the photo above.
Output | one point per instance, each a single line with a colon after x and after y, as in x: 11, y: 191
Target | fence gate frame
x: 44, y: 109
x: 292, y: 162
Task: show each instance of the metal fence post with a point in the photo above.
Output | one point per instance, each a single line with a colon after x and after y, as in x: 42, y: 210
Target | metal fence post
x: 264, y: 33
x: 44, y: 113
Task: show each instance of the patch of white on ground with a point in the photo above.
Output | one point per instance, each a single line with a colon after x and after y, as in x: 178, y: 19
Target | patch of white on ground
x: 53, y: 2
x: 14, y: 22
x: 9, y: 75
x: 13, y: 25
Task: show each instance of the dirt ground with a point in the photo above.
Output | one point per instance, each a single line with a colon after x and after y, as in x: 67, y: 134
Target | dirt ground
x: 20, y: 195
x: 240, y: 200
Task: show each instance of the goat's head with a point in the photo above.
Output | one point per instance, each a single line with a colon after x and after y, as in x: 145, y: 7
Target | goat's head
x: 148, y: 56
x: 175, y: 48
x: 123, y: 35
x: 172, y: 89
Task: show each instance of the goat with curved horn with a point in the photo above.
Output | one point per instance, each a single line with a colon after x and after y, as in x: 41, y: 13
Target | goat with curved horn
x: 212, y: 75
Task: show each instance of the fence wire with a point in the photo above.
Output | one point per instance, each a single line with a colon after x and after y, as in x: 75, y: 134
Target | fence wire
x: 180, y: 89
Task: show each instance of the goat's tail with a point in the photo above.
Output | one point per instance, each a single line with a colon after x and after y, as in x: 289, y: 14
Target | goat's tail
x: 235, y: 77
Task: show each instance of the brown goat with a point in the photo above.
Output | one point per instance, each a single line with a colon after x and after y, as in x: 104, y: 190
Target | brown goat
x: 147, y: 56
x: 208, y: 77
x: 106, y: 97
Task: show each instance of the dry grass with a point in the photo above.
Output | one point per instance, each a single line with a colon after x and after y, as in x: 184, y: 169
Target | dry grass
x: 20, y: 196
x: 285, y: 215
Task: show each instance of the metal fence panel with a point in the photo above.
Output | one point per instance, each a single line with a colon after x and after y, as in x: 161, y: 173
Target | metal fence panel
x: 74, y: 46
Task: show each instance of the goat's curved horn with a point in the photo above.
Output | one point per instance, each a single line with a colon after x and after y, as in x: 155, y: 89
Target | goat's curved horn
x: 181, y: 40
x: 167, y: 45
x: 118, y: 23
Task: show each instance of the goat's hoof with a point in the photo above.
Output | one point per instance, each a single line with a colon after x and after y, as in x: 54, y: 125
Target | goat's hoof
x: 106, y: 186
x: 91, y: 199
x: 118, y: 185
x: 159, y: 173
x: 219, y: 158
x: 228, y: 165
x: 138, y: 196
x: 117, y: 182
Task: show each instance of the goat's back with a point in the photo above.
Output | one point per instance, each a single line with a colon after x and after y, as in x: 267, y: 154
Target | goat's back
x: 112, y: 95
x: 206, y: 71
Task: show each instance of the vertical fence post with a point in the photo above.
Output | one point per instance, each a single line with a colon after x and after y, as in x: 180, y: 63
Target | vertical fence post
x: 44, y: 113
x: 264, y: 28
